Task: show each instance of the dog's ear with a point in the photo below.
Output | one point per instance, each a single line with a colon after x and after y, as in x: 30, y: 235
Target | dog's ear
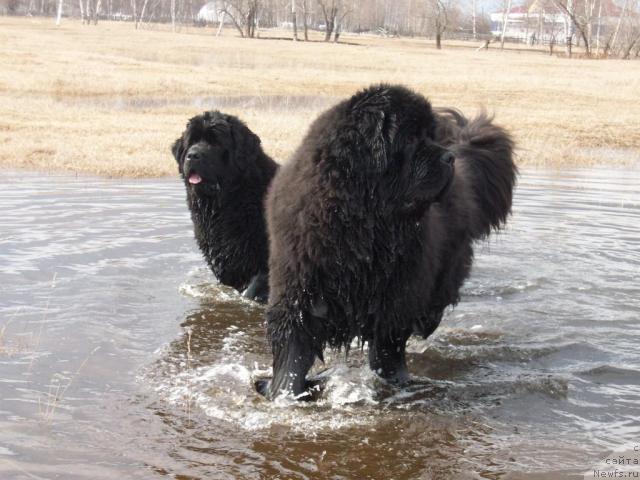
x: 376, y: 123
x: 246, y: 144
x: 177, y: 149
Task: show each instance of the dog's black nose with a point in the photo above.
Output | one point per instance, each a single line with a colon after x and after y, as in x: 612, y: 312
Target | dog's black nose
x: 193, y: 155
x: 448, y: 158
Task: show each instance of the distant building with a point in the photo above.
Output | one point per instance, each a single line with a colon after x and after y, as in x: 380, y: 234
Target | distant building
x: 211, y: 13
x: 542, y: 21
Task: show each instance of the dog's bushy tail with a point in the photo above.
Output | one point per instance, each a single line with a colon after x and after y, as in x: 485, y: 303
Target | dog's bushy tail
x: 484, y: 158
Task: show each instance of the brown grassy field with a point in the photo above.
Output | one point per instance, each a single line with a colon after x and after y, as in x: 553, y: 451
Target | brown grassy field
x: 109, y: 100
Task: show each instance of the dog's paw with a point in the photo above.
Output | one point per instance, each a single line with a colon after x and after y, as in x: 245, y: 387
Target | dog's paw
x: 312, y: 391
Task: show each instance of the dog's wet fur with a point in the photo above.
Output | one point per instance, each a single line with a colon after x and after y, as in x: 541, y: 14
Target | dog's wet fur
x: 371, y: 226
x: 226, y: 175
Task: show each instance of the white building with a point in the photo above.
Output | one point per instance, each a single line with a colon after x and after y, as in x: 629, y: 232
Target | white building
x: 211, y: 13
x: 543, y: 22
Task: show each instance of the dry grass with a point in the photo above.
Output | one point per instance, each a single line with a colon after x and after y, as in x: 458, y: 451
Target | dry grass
x: 58, y: 387
x: 17, y: 343
x: 109, y: 100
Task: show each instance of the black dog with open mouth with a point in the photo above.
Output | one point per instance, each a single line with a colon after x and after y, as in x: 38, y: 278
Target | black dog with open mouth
x: 371, y: 225
x: 226, y: 174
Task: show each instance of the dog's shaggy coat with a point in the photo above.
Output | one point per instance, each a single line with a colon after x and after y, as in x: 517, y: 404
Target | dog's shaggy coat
x: 371, y: 225
x: 226, y: 175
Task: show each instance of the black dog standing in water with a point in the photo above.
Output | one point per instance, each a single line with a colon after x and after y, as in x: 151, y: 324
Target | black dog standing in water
x: 226, y: 174
x: 371, y: 226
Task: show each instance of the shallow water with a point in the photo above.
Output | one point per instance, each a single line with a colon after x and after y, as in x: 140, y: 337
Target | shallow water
x: 121, y: 357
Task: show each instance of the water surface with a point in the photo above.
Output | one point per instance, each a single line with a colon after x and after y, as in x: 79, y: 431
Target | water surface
x: 121, y: 357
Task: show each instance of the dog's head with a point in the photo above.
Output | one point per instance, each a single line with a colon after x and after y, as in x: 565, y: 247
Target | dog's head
x: 214, y: 152
x: 397, y: 127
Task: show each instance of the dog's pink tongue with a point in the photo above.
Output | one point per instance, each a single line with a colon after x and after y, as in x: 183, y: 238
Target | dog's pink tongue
x: 194, y: 178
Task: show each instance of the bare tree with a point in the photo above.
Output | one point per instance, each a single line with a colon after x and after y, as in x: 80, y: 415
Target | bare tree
x: 244, y: 15
x: 87, y: 12
x: 137, y: 18
x: 294, y: 20
x: 222, y: 15
x: 439, y: 21
x: 506, y: 12
x: 617, y: 30
x: 173, y: 16
x: 330, y: 12
x: 92, y: 11
x: 568, y: 28
x: 59, y: 14
x: 602, y: 27
x: 581, y: 22
x: 305, y: 19
x: 338, y: 25
x: 134, y: 12
x: 252, y: 17
x: 598, y: 28
x: 629, y: 33
x: 474, y: 20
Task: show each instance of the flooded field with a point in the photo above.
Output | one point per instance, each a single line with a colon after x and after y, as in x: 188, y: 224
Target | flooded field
x: 120, y: 357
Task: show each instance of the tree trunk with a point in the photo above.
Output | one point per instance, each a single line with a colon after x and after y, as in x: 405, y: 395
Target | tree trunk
x: 617, y: 30
x: 81, y: 11
x: 173, y: 16
x: 192, y: 17
x: 330, y: 17
x: 294, y: 20
x: 304, y: 20
x: 235, y: 23
x: 589, y: 6
x: 587, y: 43
x: 97, y: 12
x: 627, y: 52
x: 598, y: 29
x: 221, y: 17
x: 329, y: 30
x: 473, y: 16
x: 59, y: 16
x: 438, y: 40
x: 144, y: 7
x: 505, y: 22
x: 569, y: 28
x: 252, y: 16
x: 134, y: 10
x: 607, y: 46
x: 540, y: 17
